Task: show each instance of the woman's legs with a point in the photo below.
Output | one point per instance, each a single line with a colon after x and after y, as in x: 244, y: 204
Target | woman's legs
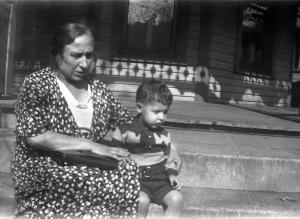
x: 144, y: 203
x: 173, y: 204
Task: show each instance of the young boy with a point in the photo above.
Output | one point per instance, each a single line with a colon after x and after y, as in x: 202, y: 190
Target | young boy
x: 151, y: 148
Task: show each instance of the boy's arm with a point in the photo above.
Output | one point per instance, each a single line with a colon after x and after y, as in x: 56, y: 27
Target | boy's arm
x: 173, y: 163
x: 173, y: 166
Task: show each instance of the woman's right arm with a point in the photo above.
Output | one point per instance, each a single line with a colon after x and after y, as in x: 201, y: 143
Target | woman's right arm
x: 59, y: 142
x: 33, y: 122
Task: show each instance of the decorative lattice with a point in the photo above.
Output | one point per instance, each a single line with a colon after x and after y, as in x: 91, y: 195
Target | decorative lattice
x: 143, y: 69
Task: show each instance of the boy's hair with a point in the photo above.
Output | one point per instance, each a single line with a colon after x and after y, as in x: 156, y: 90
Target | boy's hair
x: 154, y: 90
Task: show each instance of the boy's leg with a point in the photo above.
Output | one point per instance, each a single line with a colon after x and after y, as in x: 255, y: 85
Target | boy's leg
x: 173, y: 204
x: 144, y: 203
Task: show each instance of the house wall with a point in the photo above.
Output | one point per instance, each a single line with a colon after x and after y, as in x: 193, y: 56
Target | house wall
x: 205, y: 70
x: 213, y: 78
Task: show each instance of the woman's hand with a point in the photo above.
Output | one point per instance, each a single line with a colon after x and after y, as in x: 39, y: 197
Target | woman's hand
x: 113, y: 152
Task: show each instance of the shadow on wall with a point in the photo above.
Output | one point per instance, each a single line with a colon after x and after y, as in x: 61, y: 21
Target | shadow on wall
x: 245, y: 89
x: 201, y: 85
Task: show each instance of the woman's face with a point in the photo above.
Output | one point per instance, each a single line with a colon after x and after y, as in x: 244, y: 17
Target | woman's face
x: 77, y: 60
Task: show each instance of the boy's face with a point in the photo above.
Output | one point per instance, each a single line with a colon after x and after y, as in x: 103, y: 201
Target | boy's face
x: 154, y: 114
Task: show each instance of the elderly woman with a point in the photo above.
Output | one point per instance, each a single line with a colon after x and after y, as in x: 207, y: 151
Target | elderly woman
x: 64, y: 108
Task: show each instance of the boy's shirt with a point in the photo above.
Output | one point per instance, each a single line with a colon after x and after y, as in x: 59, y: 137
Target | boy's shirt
x: 147, y: 146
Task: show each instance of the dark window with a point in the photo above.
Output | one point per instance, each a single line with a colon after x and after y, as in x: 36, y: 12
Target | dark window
x: 150, y: 25
x: 255, y: 41
x: 150, y: 29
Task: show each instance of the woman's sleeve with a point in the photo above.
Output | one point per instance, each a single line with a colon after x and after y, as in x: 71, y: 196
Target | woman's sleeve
x: 31, y: 110
x: 119, y: 113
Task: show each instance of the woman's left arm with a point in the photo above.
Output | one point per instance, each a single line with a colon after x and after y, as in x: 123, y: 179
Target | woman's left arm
x: 118, y: 112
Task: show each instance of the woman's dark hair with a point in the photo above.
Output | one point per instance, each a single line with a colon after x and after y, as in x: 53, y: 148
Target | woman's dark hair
x: 154, y: 90
x: 66, y: 35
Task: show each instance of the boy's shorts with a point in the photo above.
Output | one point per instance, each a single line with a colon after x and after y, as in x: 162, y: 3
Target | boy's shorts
x: 155, y: 182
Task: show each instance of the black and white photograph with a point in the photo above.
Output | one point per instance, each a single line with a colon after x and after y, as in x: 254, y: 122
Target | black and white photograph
x: 150, y: 109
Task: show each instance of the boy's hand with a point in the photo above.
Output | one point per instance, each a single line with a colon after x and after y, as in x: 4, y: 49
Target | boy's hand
x: 174, y: 182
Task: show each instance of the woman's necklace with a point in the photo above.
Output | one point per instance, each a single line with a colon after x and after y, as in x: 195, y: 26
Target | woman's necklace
x: 82, y: 106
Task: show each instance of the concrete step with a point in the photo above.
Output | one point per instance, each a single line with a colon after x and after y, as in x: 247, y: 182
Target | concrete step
x: 7, y: 146
x: 287, y: 113
x: 7, y: 200
x: 7, y: 116
x: 221, y: 160
x: 200, y: 202
x: 219, y: 203
x: 238, y: 161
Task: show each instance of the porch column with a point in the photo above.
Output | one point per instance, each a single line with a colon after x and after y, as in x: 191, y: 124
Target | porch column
x: 9, y: 9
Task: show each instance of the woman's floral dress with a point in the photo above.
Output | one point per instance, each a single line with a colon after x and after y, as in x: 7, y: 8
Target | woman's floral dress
x: 46, y: 188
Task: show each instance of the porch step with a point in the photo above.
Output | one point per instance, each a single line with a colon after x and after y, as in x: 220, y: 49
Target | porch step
x: 219, y: 203
x: 235, y: 161
x: 7, y: 200
x: 7, y: 146
x: 200, y: 202
x: 221, y: 160
x: 7, y: 116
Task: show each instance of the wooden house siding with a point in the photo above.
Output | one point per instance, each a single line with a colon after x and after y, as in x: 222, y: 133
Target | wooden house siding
x: 35, y: 25
x: 204, y: 69
x: 283, y: 44
x: 193, y: 35
x: 105, y: 27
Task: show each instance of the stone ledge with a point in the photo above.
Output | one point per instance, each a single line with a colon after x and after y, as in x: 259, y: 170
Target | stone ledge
x: 7, y: 146
x: 10, y: 104
x: 218, y: 203
x: 200, y: 202
x: 7, y: 200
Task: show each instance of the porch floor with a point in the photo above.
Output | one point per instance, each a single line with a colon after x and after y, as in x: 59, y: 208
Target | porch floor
x: 210, y: 115
x: 238, y: 117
